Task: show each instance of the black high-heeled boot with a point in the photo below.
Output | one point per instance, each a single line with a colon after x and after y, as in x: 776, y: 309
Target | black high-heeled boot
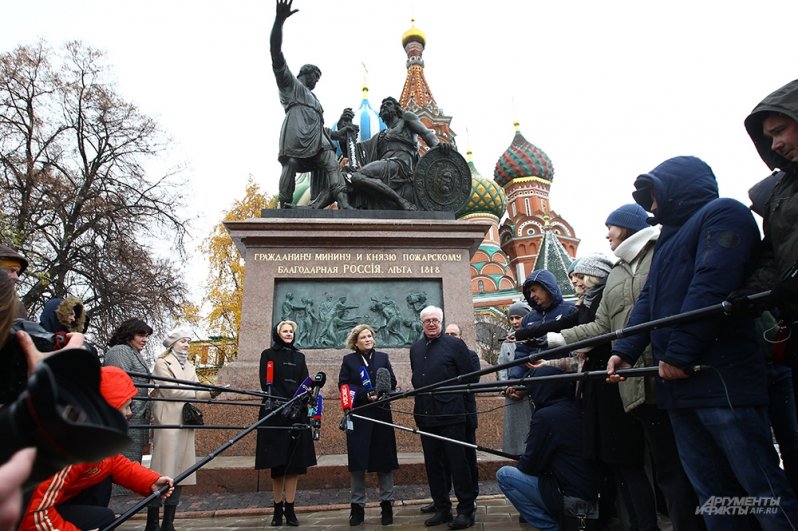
x: 153, y: 514
x: 277, y: 519
x: 290, y: 516
x: 168, y: 523
x: 387, y: 512
x: 357, y: 514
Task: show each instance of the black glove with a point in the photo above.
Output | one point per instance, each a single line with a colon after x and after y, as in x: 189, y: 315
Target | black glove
x: 741, y: 304
x: 530, y: 332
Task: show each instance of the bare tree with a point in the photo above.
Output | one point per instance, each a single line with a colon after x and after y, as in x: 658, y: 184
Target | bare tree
x: 75, y: 198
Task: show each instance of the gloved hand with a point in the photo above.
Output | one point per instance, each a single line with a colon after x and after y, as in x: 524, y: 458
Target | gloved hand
x: 555, y: 339
x: 742, y: 305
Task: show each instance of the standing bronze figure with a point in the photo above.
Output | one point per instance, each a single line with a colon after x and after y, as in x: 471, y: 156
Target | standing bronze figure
x: 305, y: 144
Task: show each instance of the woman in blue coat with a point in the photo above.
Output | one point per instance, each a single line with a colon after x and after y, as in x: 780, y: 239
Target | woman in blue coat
x: 370, y: 446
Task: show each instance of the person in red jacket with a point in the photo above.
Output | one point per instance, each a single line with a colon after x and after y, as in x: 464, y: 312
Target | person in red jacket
x: 50, y: 507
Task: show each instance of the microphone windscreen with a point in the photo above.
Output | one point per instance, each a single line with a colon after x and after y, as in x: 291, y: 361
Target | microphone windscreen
x: 382, y: 381
x: 270, y: 372
x: 320, y: 379
x: 346, y: 398
x: 364, y: 378
x: 319, y: 407
x: 304, y: 387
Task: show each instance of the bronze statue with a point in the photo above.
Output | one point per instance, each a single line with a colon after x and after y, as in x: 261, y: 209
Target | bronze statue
x: 305, y: 144
x: 385, y: 178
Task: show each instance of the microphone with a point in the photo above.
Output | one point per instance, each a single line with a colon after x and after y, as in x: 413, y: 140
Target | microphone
x: 318, y: 382
x: 304, y: 388
x: 382, y: 382
x: 346, y: 405
x: 269, y: 382
x: 366, y: 382
x: 317, y: 412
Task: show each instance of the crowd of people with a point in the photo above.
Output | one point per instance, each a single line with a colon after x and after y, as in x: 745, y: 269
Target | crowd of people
x: 698, y: 435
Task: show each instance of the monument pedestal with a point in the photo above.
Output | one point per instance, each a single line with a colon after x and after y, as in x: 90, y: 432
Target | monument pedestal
x: 357, y: 268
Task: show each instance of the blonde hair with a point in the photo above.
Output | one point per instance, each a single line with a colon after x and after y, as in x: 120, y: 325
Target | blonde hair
x: 590, y: 281
x: 351, y: 339
x: 281, y: 323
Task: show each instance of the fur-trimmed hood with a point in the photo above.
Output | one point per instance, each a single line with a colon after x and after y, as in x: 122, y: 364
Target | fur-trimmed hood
x: 56, y: 313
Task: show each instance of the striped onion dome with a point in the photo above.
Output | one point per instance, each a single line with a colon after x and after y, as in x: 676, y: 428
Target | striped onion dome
x: 487, y: 197
x: 522, y: 159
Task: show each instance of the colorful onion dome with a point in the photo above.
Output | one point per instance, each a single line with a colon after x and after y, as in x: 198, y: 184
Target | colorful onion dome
x: 487, y: 197
x: 522, y: 159
x: 414, y: 34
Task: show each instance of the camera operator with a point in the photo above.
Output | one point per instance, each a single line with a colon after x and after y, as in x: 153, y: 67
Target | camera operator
x: 59, y: 502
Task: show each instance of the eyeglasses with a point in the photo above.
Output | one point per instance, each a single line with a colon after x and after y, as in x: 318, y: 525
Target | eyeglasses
x: 431, y: 321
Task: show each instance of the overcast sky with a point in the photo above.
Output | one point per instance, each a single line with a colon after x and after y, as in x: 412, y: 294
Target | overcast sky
x: 607, y: 89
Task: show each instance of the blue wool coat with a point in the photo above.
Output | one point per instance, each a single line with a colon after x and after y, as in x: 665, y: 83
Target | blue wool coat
x: 370, y: 446
x: 705, y: 251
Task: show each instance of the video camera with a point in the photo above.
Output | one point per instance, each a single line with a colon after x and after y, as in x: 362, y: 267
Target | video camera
x: 59, y: 409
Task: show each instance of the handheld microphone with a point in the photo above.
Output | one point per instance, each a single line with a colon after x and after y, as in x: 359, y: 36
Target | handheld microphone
x: 317, y: 412
x: 366, y: 382
x: 382, y: 382
x: 269, y: 382
x: 304, y: 387
x: 346, y: 405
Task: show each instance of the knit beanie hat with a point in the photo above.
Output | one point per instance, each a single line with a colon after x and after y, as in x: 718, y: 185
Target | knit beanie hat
x: 631, y: 216
x: 116, y: 387
x: 175, y: 335
x: 572, y: 266
x: 596, y: 265
x: 518, y: 308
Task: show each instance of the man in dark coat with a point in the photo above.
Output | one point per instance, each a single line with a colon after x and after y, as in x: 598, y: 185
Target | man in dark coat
x: 553, y: 465
x: 719, y: 416
x: 434, y: 358
x: 305, y: 144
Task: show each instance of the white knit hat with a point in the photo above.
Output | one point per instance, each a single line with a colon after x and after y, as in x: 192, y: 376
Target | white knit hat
x: 175, y: 335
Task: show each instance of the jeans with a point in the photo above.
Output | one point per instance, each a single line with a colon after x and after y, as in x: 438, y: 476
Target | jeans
x: 524, y: 493
x: 784, y: 419
x: 723, y: 449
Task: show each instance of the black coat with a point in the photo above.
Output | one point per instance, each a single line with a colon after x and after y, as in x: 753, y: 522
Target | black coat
x: 370, y: 446
x: 433, y: 361
x: 292, y: 449
x: 610, y: 435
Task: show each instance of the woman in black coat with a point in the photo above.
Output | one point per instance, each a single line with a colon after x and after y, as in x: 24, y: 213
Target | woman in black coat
x: 288, y: 453
x: 370, y: 446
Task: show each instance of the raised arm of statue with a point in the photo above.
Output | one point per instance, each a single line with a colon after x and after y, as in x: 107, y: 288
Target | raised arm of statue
x: 413, y: 123
x: 283, y: 11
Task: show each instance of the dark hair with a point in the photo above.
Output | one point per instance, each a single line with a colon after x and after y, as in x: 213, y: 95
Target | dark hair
x: 307, y: 69
x: 129, y: 328
x: 395, y: 104
x: 9, y: 305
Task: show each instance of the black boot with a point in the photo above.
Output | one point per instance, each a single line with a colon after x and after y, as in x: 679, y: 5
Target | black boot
x: 168, y: 523
x: 277, y: 519
x: 290, y: 516
x: 387, y: 512
x: 152, y: 519
x: 357, y: 515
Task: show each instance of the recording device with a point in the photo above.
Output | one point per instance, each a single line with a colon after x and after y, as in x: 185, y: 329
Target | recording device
x: 316, y: 420
x: 382, y: 382
x: 269, y: 381
x: 15, y: 366
x: 62, y: 414
x: 346, y: 406
x: 366, y: 382
x: 294, y: 411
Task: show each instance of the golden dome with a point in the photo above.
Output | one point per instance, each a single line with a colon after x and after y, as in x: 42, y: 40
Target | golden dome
x: 414, y: 34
